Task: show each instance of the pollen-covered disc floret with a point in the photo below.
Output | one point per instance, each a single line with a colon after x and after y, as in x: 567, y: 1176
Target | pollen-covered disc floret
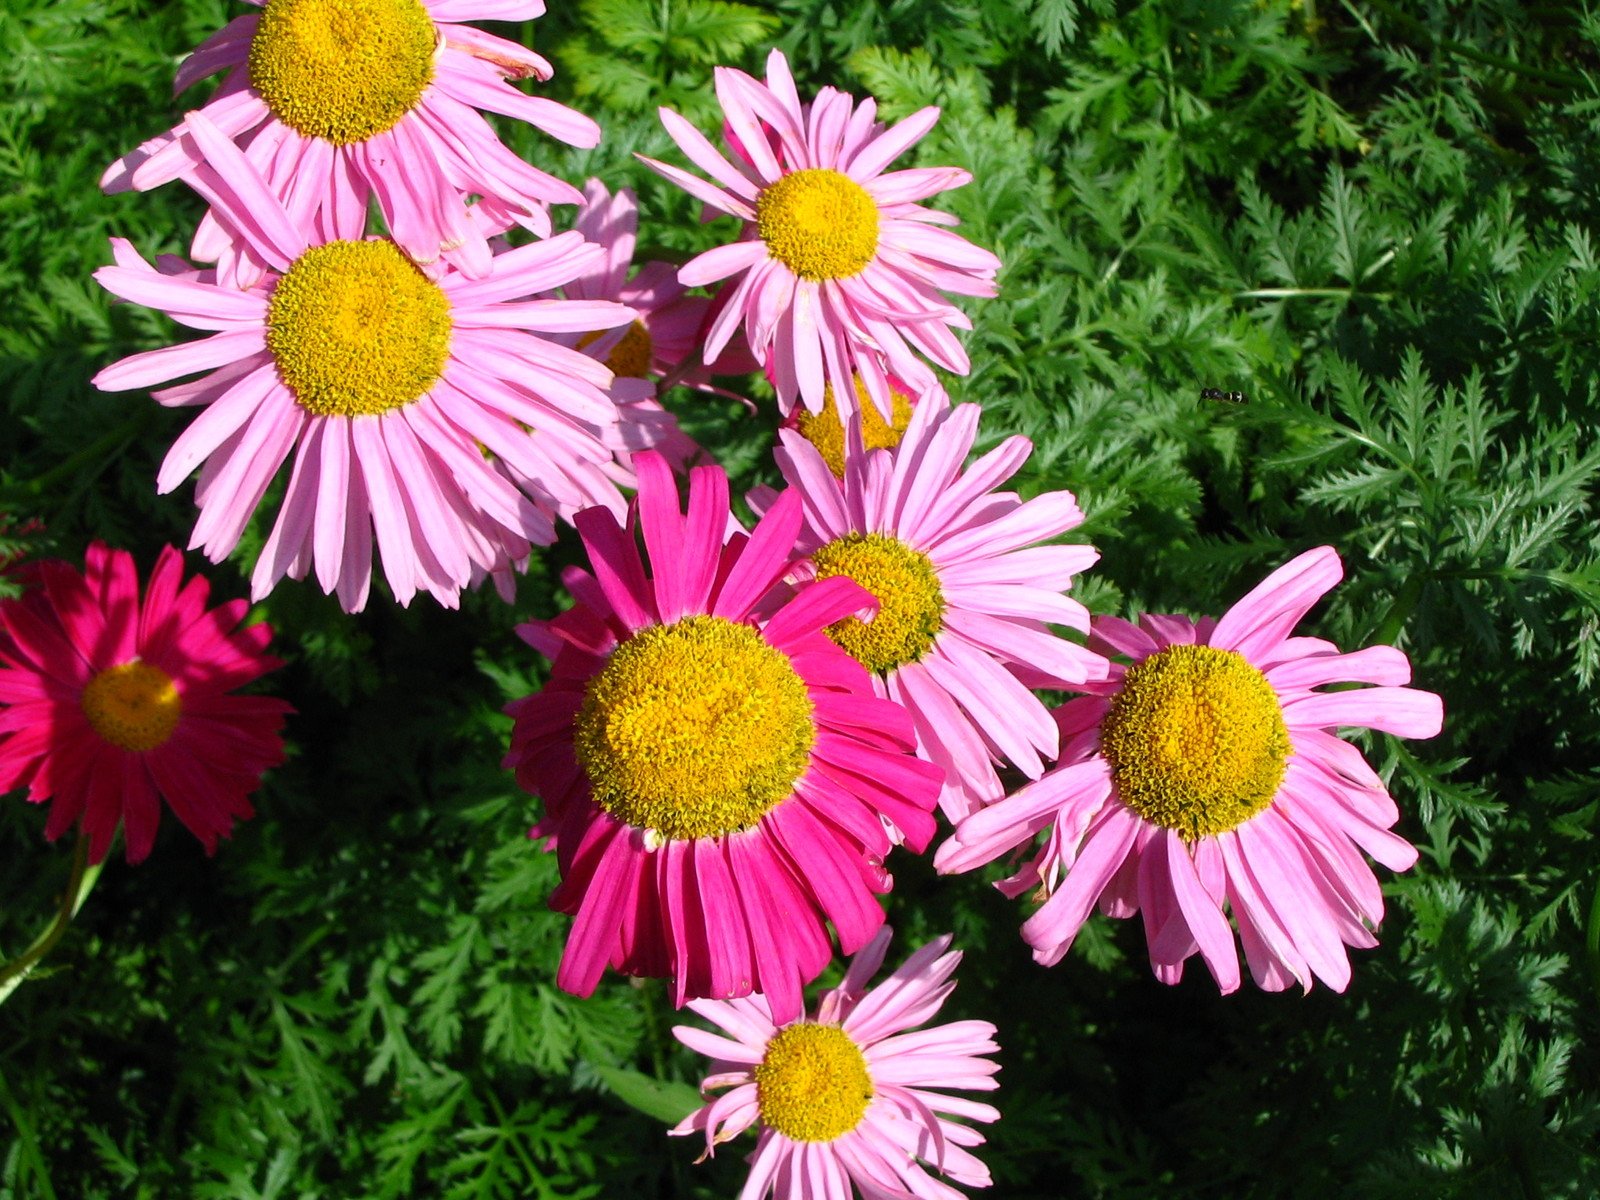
x: 819, y: 223
x: 910, y: 604
x: 840, y: 267
x: 1196, y: 740
x: 1205, y: 779
x: 380, y: 387
x: 812, y: 1084
x: 718, y: 781
x: 850, y: 1098
x: 695, y: 729
x: 967, y: 594
x: 630, y: 357
x: 345, y: 105
x: 112, y: 701
x: 342, y: 70
x: 132, y: 705
x: 826, y: 430
x: 357, y: 330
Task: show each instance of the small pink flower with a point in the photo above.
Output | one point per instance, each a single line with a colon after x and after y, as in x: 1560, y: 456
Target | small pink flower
x: 108, y: 705
x: 387, y: 387
x: 1207, y: 774
x: 671, y: 323
x: 338, y: 102
x: 966, y: 594
x: 851, y: 1096
x: 841, y: 269
x: 718, y: 778
x: 666, y: 332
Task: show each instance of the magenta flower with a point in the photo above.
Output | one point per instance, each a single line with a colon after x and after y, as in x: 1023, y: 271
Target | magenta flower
x: 718, y: 778
x: 108, y: 705
x: 841, y: 269
x: 1207, y: 774
x: 339, y: 102
x: 387, y: 386
x: 851, y: 1096
x: 966, y: 593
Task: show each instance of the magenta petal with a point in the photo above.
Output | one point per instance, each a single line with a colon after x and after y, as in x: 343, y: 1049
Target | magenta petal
x: 1051, y: 930
x: 1203, y: 914
x: 1274, y: 606
x: 593, y: 939
x: 1405, y: 712
x: 763, y: 560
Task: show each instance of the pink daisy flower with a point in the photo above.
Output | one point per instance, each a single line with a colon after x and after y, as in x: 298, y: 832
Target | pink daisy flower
x: 965, y: 593
x: 1206, y: 773
x: 387, y: 386
x: 848, y: 1096
x: 840, y: 268
x: 669, y: 329
x: 718, y: 778
x: 828, y: 429
x: 338, y: 102
x: 109, y: 704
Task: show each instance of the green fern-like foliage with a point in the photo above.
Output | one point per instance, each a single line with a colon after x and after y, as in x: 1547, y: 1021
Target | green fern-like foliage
x: 1378, y: 221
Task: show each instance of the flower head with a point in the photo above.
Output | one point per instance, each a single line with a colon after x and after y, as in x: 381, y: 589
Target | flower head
x: 344, y: 101
x: 670, y: 324
x: 848, y: 1095
x: 109, y: 704
x: 840, y: 268
x: 1206, y: 772
x: 718, y: 778
x: 829, y: 429
x: 966, y: 593
x: 397, y: 394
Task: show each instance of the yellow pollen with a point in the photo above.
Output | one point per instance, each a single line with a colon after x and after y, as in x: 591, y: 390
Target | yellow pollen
x: 825, y: 429
x: 910, y: 602
x: 812, y: 1084
x: 1196, y: 740
x: 819, y: 223
x: 629, y: 358
x: 134, y: 705
x: 342, y: 70
x: 695, y: 729
x: 357, y: 330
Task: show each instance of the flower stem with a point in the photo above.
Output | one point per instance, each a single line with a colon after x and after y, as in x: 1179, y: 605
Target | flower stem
x: 79, y: 884
x: 1394, y: 621
x: 1594, y: 940
x: 89, y: 456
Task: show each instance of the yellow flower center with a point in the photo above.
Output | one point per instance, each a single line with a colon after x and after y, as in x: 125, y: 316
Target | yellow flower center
x: 695, y: 729
x: 819, y: 223
x: 910, y: 602
x: 357, y: 330
x: 629, y: 358
x: 812, y: 1084
x: 342, y: 70
x: 134, y: 705
x: 825, y: 429
x: 1196, y: 740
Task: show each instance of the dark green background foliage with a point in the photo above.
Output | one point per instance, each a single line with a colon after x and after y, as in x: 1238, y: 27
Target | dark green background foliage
x: 1378, y: 220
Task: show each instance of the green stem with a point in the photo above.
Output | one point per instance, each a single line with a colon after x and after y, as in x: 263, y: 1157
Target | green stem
x: 28, y: 1141
x: 92, y: 453
x: 655, y: 1027
x: 79, y: 884
x: 1594, y: 940
x: 1399, y: 612
x: 1462, y: 50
